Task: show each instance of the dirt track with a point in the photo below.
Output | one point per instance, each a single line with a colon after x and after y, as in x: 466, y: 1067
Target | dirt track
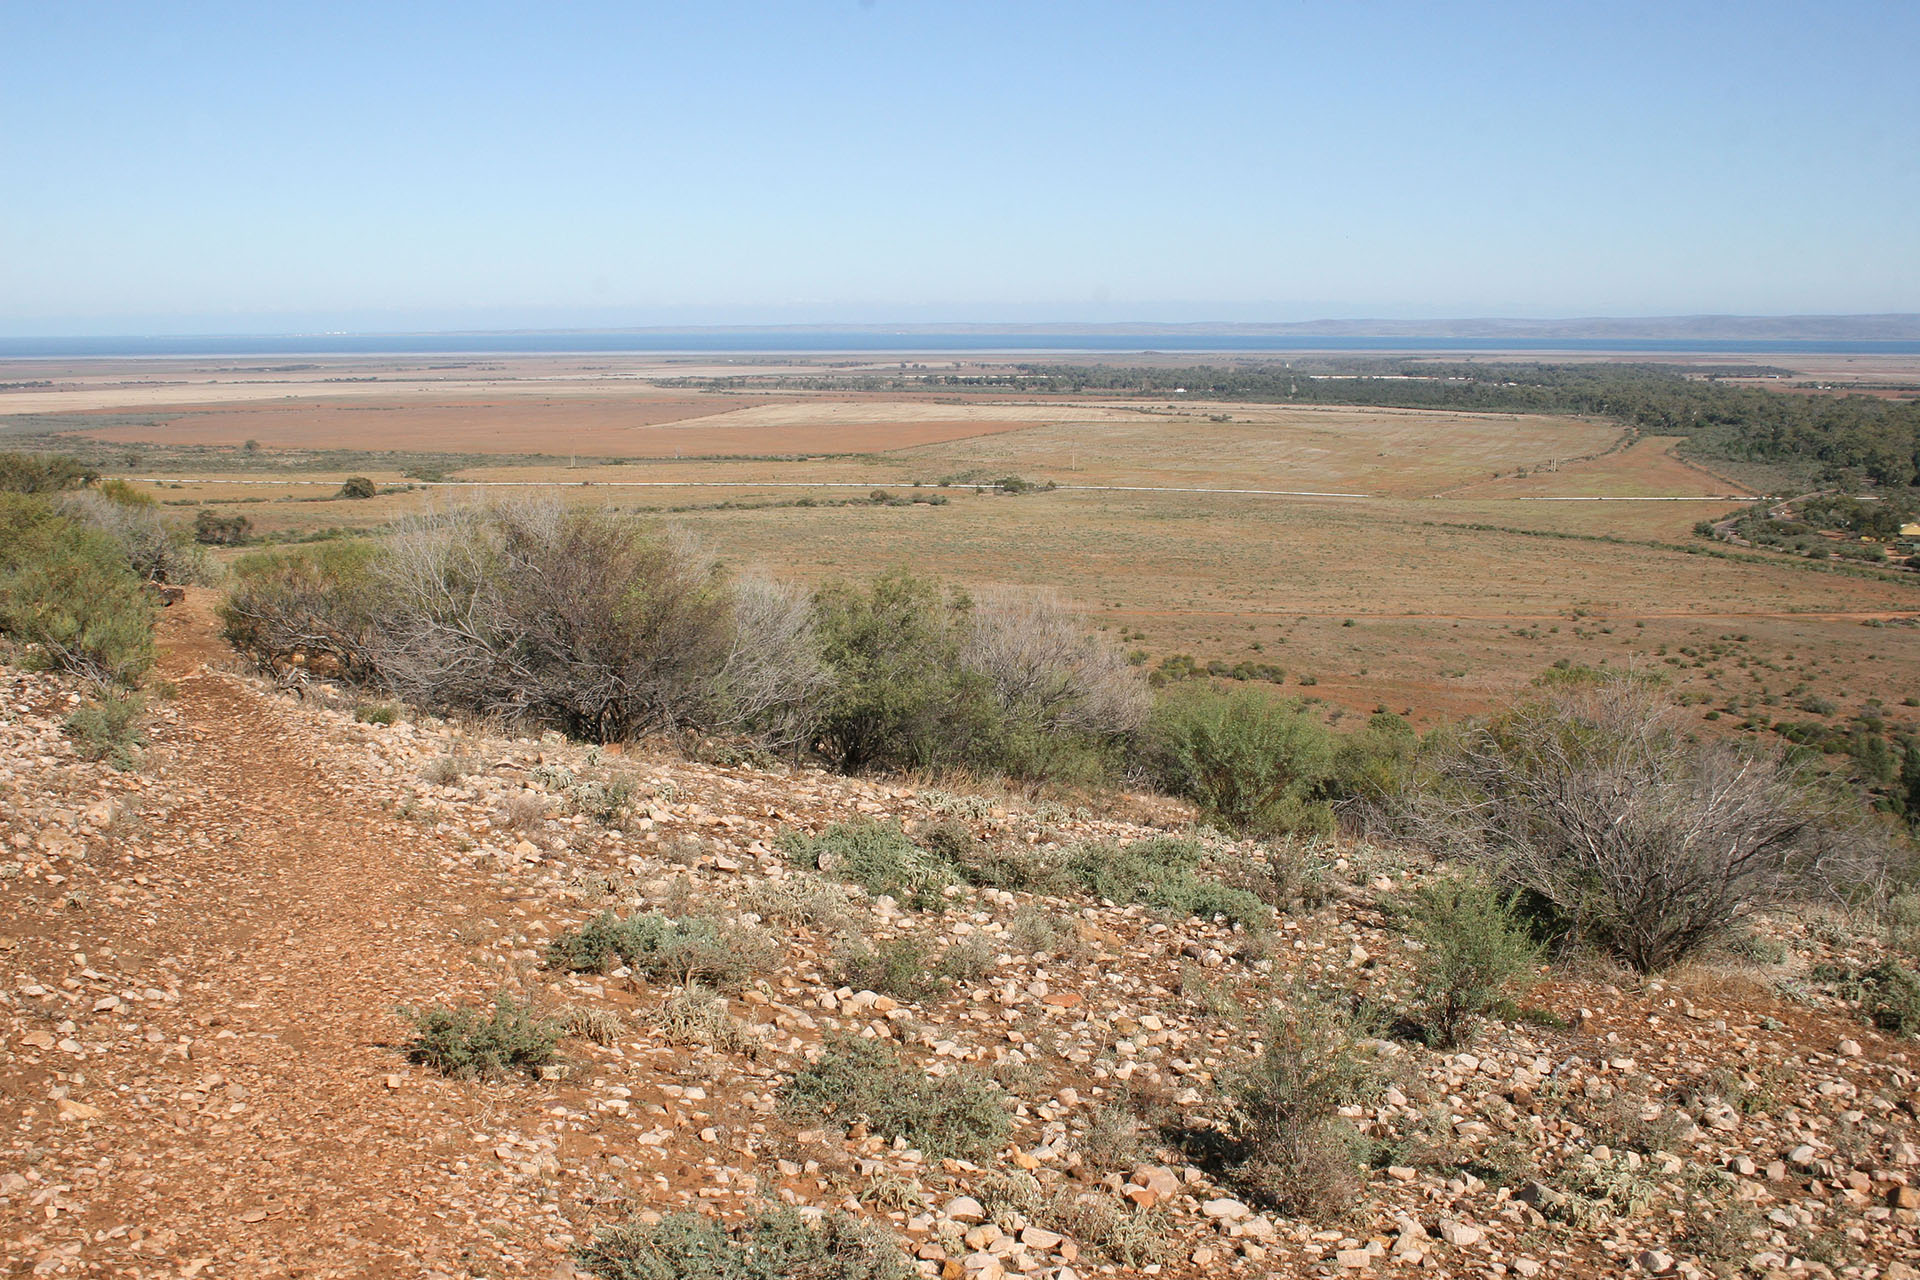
x: 261, y: 1123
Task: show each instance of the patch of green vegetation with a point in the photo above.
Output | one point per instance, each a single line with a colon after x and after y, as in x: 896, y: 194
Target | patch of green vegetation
x: 68, y: 593
x: 1249, y: 760
x: 877, y: 856
x: 678, y: 949
x: 108, y: 729
x: 1888, y: 993
x: 957, y: 1115
x: 1475, y: 954
x: 468, y: 1044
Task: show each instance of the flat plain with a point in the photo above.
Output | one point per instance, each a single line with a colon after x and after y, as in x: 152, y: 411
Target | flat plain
x: 1477, y: 549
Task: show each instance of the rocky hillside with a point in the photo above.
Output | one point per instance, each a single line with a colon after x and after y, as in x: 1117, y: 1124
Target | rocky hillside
x: 206, y: 963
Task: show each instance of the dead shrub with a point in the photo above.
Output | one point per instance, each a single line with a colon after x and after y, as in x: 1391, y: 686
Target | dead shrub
x: 1595, y: 804
x: 585, y: 1022
x: 696, y: 1015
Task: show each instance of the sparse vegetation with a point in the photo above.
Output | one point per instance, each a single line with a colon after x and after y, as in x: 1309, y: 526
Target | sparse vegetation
x: 877, y: 856
x: 1292, y: 1148
x: 960, y: 1114
x: 470, y: 1044
x: 1475, y: 954
x: 1625, y: 834
x: 680, y: 949
x: 697, y: 1015
x: 108, y: 728
x: 776, y: 1244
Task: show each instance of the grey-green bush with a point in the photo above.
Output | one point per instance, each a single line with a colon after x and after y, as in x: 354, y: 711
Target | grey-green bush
x: 1247, y: 759
x: 468, y: 1044
x: 108, y: 729
x: 962, y: 1114
x: 776, y: 1244
x: 1475, y: 953
x: 1292, y: 1150
x: 678, y: 949
x: 878, y: 856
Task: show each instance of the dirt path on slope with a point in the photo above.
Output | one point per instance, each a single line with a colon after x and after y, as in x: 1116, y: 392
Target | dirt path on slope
x: 243, y: 1110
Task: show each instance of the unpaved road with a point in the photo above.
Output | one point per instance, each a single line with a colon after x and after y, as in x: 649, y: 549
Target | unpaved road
x: 240, y: 1108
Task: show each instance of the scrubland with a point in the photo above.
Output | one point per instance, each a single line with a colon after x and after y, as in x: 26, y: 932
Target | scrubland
x: 965, y: 872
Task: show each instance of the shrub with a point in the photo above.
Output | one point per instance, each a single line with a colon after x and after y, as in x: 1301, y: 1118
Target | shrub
x: 1247, y: 759
x: 900, y: 697
x: 998, y: 865
x: 313, y: 608
x: 959, y: 1115
x: 1053, y: 683
x: 1161, y: 873
x: 800, y: 900
x: 903, y: 968
x: 467, y: 1044
x: 1593, y: 803
x: 538, y: 613
x: 1289, y: 873
x: 68, y: 591
x: 1888, y: 993
x: 1373, y: 767
x: 585, y: 1022
x: 696, y: 1015
x: 43, y: 473
x: 680, y: 949
x: 376, y: 713
x: 155, y: 551
x: 108, y: 729
x: 776, y: 1244
x: 357, y: 487
x: 877, y: 856
x: 1291, y: 1147
x: 1475, y: 951
x: 774, y: 677
x: 220, y: 531
x: 444, y: 771
x: 923, y: 676
x: 1130, y: 1236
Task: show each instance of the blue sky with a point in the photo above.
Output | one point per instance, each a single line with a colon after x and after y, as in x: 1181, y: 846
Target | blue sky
x: 262, y: 168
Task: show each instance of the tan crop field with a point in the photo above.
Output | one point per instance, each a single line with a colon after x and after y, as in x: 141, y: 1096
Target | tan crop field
x: 1487, y: 546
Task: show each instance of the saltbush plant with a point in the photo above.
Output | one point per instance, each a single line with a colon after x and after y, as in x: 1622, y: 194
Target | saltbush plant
x: 471, y: 1044
x: 776, y: 1244
x: 679, y: 949
x: 878, y: 856
x: 1476, y: 954
x: 960, y: 1115
x: 1163, y: 873
x: 108, y: 729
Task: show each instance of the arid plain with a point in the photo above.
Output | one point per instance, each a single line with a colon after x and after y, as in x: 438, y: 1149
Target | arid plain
x: 1427, y: 562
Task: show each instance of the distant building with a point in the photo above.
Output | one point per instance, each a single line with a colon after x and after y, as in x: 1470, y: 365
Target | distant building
x: 1910, y: 530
